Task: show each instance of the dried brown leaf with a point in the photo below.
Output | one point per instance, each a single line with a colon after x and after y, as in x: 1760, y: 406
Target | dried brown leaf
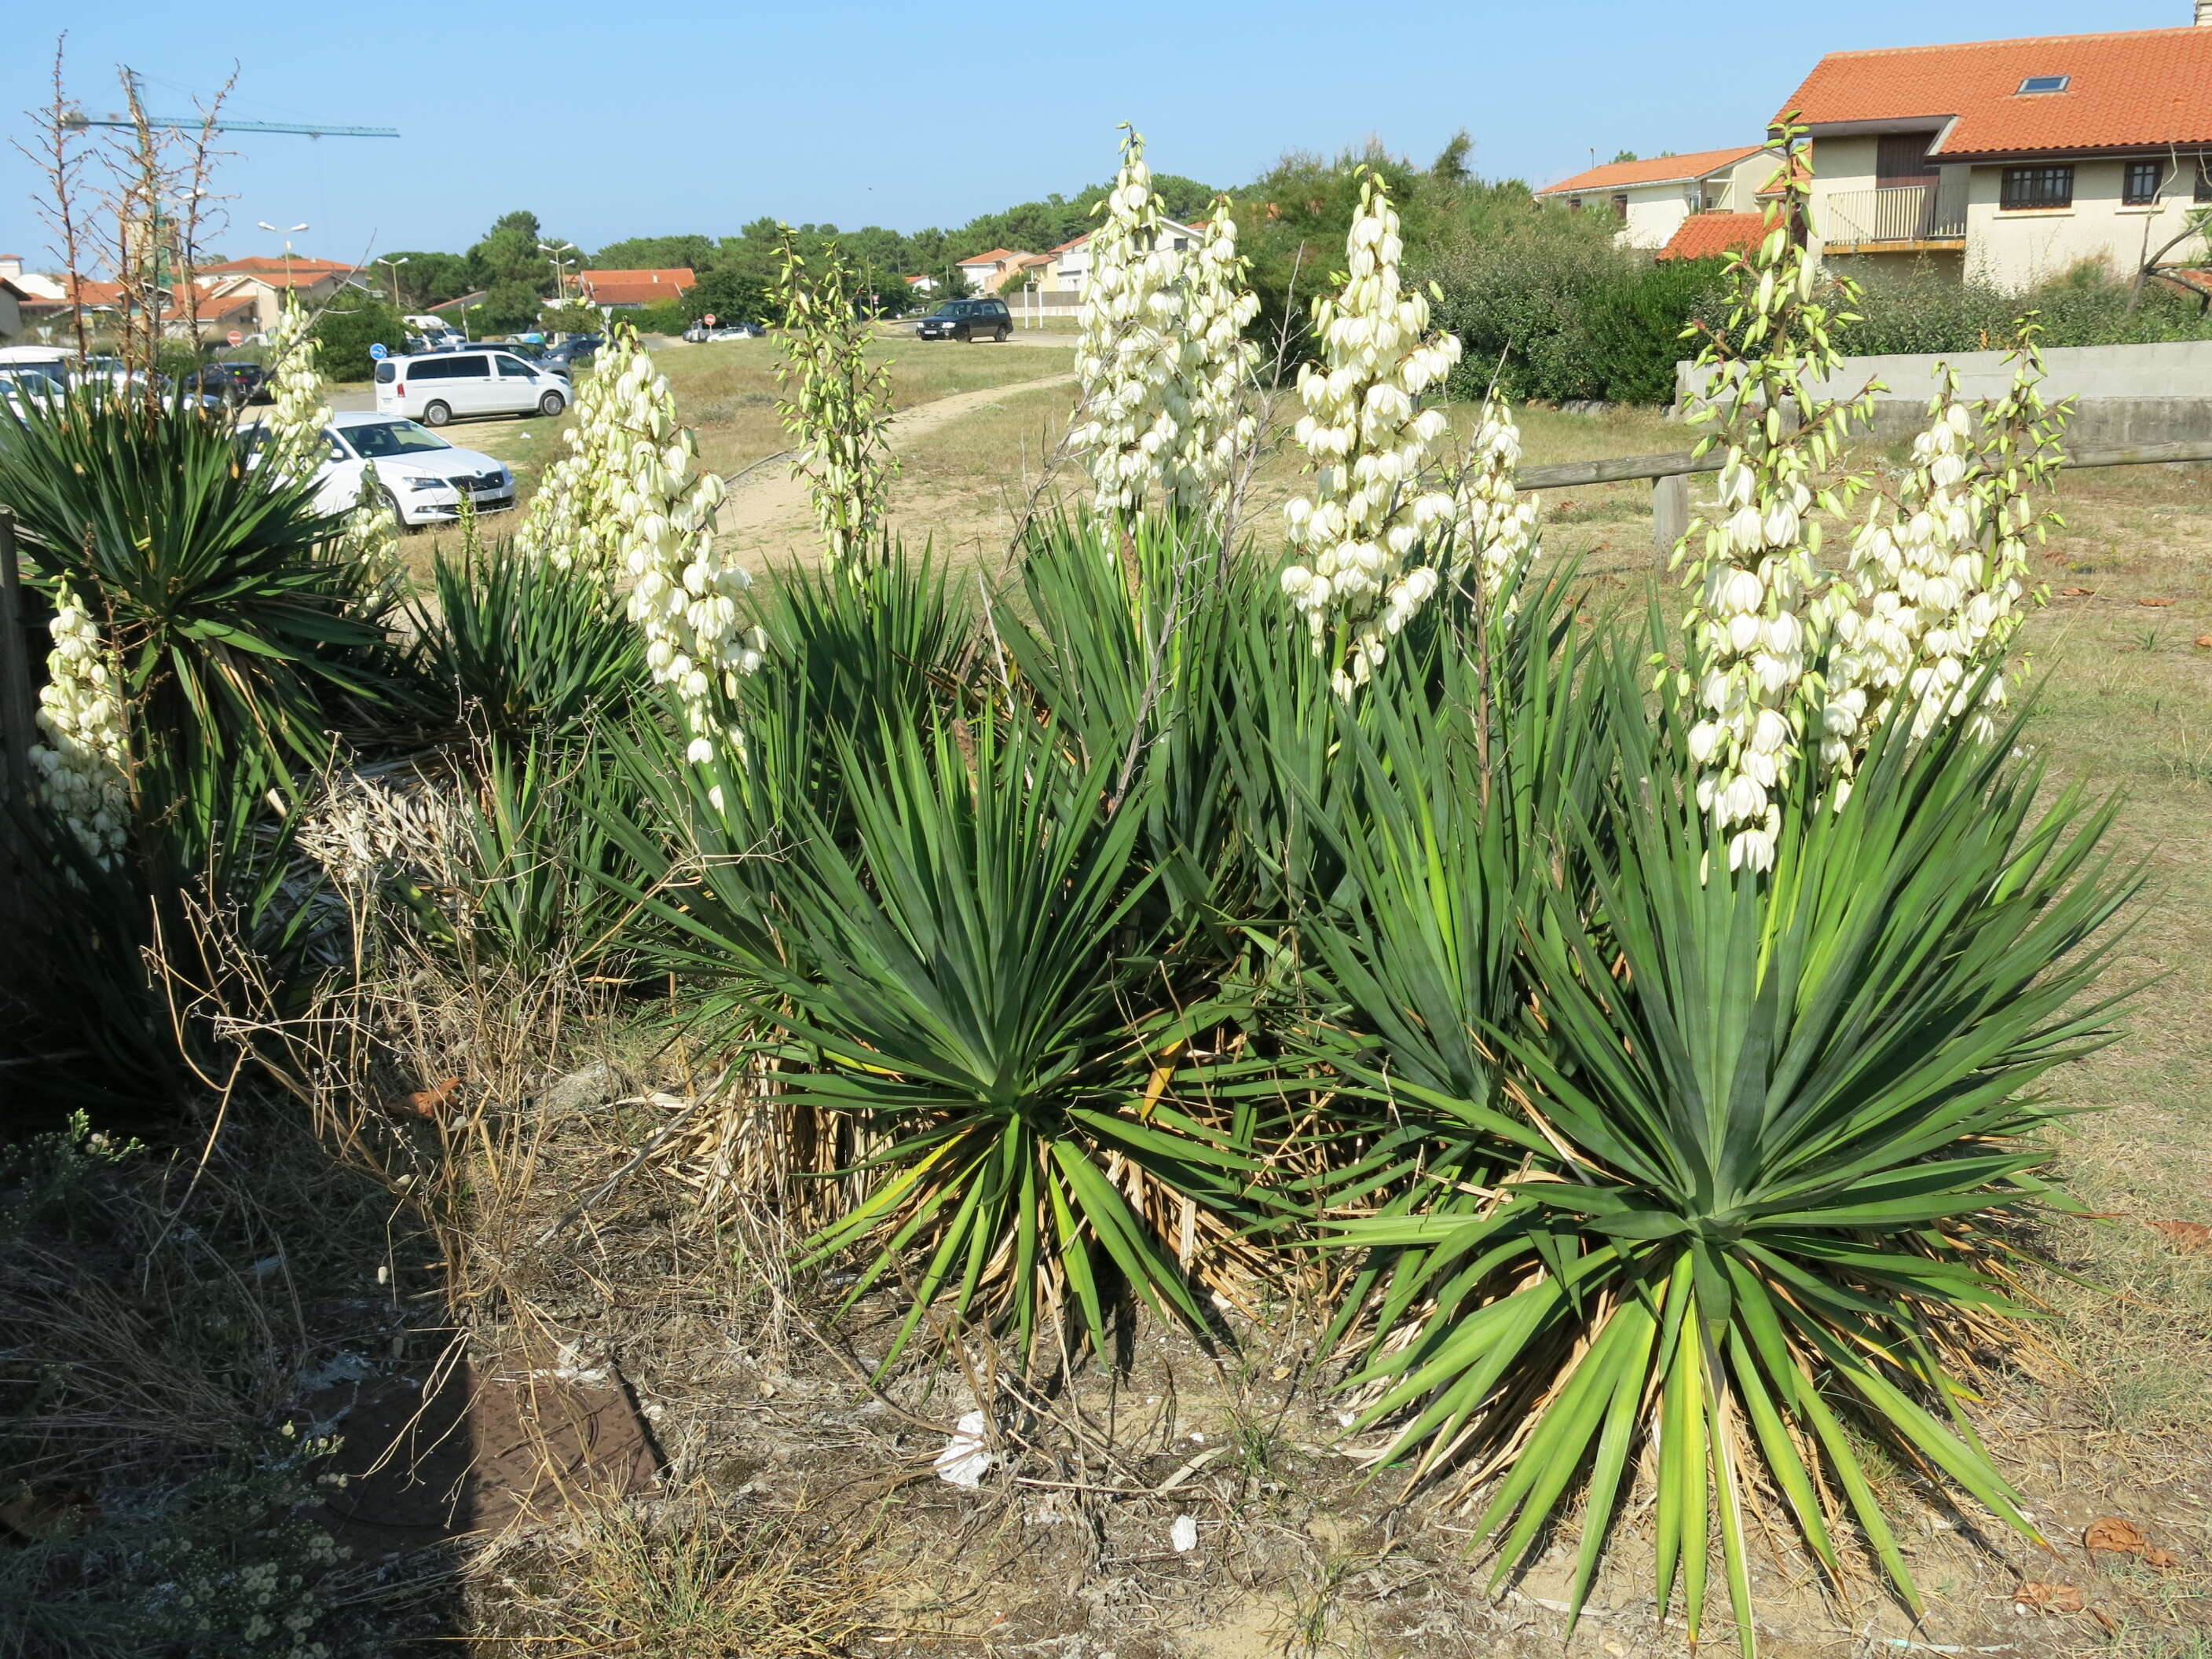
x: 2076, y: 593
x: 2155, y: 604
x: 2204, y: 641
x: 2186, y: 1235
x: 2048, y: 1598
x: 429, y: 1102
x: 2110, y: 1532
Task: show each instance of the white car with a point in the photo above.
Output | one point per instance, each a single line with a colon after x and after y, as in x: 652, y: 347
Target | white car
x: 435, y: 387
x: 423, y: 476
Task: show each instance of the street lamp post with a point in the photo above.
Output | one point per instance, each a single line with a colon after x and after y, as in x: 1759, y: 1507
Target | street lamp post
x: 391, y: 273
x: 553, y: 251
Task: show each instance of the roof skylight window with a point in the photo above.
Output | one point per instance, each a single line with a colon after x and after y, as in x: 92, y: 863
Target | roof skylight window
x: 2044, y: 84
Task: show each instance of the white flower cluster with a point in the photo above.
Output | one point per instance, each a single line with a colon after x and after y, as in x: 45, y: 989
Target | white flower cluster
x: 570, y: 520
x: 1753, y: 628
x: 81, y: 764
x: 685, y: 593
x: 1369, y: 441
x: 1214, y: 368
x: 841, y: 409
x: 371, y: 532
x: 298, y: 412
x: 1937, y: 578
x: 1161, y: 355
x: 1911, y: 563
x: 1497, y: 528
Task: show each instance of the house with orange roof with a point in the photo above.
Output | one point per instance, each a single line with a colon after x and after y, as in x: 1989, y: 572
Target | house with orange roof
x: 2013, y: 161
x: 631, y: 290
x: 987, y: 273
x: 1070, y: 267
x: 265, y: 280
x: 1652, y: 198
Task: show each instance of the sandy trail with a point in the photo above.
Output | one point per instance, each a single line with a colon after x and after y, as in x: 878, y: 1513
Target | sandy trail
x: 768, y: 506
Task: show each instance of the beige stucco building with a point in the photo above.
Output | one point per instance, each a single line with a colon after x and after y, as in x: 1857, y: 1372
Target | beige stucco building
x: 2013, y: 161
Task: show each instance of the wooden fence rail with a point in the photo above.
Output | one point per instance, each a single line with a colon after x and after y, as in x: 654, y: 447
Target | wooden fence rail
x: 1670, y: 476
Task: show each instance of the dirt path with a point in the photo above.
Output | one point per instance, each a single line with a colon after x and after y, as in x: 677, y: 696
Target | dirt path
x: 767, y: 505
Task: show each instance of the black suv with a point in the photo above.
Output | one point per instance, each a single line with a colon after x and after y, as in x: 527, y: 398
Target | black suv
x: 968, y: 320
x: 234, y: 382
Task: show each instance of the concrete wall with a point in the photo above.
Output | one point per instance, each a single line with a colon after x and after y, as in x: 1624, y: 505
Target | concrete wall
x: 2130, y: 394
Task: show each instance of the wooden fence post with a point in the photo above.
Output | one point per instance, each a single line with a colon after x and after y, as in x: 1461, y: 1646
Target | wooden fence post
x: 1670, y: 512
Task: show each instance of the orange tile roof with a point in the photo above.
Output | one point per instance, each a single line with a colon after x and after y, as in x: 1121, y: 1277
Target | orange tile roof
x: 2141, y: 89
x: 1072, y: 242
x: 1659, y: 170
x: 996, y: 256
x: 679, y: 277
x: 1709, y: 235
x: 635, y: 288
x: 261, y: 265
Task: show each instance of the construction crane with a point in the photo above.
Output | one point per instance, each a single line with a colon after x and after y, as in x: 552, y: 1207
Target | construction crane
x: 78, y: 120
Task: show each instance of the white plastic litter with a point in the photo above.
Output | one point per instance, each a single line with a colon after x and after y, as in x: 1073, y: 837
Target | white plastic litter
x: 1184, y: 1534
x: 963, y: 1463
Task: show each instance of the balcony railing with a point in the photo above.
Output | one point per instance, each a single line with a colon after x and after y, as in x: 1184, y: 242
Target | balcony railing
x: 1896, y: 213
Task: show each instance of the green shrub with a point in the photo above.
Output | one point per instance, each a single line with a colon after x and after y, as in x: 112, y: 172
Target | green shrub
x: 347, y: 326
x: 1557, y: 319
x: 1925, y: 310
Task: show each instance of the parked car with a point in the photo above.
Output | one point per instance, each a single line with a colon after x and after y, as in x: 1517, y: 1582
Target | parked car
x: 968, y: 321
x: 234, y: 382
x: 698, y: 333
x: 529, y: 350
x: 423, y: 476
x: 434, y: 387
x: 572, y: 353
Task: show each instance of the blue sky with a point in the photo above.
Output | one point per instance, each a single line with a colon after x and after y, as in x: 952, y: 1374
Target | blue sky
x: 682, y: 116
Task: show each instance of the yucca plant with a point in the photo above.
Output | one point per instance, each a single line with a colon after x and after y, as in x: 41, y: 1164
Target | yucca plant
x: 962, y: 969
x: 233, y: 631
x: 1762, y: 1152
x: 525, y: 650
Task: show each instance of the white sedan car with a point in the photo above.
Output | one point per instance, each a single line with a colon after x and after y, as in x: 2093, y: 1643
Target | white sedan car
x: 423, y: 476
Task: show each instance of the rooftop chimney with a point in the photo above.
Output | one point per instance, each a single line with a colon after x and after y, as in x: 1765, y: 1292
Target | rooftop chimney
x: 2203, y: 13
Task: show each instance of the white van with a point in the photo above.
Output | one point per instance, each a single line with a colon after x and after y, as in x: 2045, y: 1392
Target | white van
x: 481, y: 380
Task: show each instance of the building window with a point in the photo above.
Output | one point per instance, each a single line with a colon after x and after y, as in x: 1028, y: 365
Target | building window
x: 2036, y: 83
x: 2036, y: 187
x: 2142, y: 182
x: 1575, y: 203
x: 2203, y: 191
x: 1621, y: 207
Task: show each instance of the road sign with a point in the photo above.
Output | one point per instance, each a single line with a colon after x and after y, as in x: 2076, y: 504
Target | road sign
x: 708, y: 319
x: 378, y: 351
x: 237, y: 339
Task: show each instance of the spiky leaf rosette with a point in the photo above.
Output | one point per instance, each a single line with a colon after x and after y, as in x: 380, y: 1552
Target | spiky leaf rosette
x: 963, y: 968
x: 1369, y: 440
x: 1772, y: 1145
